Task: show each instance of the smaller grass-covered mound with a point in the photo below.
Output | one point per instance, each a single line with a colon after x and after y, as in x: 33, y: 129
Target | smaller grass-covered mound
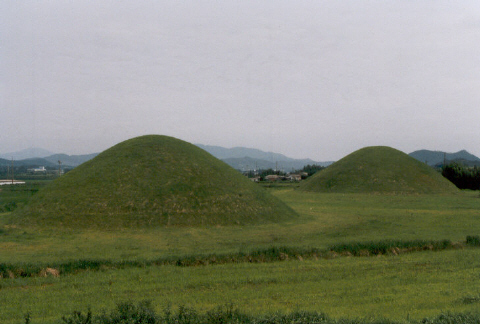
x: 379, y: 169
x: 153, y: 181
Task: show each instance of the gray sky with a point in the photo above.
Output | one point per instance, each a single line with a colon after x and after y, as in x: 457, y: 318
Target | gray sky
x: 317, y: 79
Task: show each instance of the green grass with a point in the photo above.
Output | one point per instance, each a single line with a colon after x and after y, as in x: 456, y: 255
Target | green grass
x: 414, y: 285
x: 152, y: 181
x: 327, y: 219
x: 16, y: 196
x: 408, y: 286
x: 379, y: 169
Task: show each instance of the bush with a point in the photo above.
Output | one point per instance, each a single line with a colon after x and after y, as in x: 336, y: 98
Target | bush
x: 8, y: 207
x: 143, y: 313
x: 78, y: 318
x: 128, y: 313
x: 453, y: 319
x: 124, y: 313
x: 473, y: 240
x: 463, y: 177
x: 384, y: 247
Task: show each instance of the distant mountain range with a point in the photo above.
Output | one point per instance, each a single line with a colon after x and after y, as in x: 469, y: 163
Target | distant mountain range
x: 438, y: 158
x: 26, y: 154
x: 36, y: 157
x: 240, y: 158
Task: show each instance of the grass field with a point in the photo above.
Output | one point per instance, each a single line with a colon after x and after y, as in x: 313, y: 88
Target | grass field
x: 407, y: 286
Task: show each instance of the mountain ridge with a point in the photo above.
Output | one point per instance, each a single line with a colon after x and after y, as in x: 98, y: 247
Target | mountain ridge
x: 240, y: 158
x: 437, y: 158
x: 34, y: 152
x: 243, y: 158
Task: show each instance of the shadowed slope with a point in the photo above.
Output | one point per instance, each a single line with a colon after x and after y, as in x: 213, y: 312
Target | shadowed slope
x: 149, y: 181
x: 379, y: 169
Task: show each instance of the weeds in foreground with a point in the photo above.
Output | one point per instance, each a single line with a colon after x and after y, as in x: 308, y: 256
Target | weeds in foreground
x: 143, y: 313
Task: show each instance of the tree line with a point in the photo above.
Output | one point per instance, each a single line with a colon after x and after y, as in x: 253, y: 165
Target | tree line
x: 306, y: 171
x: 461, y: 176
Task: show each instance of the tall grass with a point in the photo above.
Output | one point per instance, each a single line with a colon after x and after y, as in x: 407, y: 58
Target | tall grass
x: 256, y: 256
x: 391, y: 247
x: 414, y: 285
x: 144, y: 313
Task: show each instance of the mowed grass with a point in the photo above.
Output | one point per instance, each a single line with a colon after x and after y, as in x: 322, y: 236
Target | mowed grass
x: 413, y: 285
x: 326, y: 219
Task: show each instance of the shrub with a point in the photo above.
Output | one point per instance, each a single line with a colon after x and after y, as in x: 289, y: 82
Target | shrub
x: 143, y: 313
x: 78, y: 318
x: 453, y: 319
x: 384, y: 247
x: 473, y: 240
x: 128, y: 313
x: 8, y: 207
x: 227, y: 314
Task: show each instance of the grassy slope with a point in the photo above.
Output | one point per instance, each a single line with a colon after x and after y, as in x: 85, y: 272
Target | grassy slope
x: 415, y: 285
x: 379, y: 169
x: 326, y: 219
x: 150, y: 181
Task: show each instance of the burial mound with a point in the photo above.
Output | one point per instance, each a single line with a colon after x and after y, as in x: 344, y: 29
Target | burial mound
x: 153, y: 180
x: 379, y: 169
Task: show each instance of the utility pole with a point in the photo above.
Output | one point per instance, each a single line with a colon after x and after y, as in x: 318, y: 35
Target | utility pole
x: 13, y: 175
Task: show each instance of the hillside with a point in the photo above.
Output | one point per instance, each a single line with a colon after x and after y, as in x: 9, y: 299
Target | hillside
x: 378, y: 169
x: 153, y: 181
x: 434, y: 158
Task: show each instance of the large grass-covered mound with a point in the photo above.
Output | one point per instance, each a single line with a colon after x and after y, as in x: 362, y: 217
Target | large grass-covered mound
x: 153, y: 181
x: 379, y: 169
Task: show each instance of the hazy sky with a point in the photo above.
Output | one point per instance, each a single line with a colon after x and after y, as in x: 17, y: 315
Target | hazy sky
x: 317, y: 79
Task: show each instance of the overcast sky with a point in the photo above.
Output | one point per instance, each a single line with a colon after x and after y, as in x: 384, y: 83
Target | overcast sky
x: 316, y: 79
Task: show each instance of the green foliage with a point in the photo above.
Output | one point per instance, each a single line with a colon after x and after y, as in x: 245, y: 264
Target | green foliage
x: 473, y: 240
x: 152, y: 181
x: 78, y: 318
x: 13, y: 197
x: 272, y: 254
x: 128, y: 313
x: 463, y: 177
x: 390, y: 247
x: 416, y: 284
x: 312, y: 169
x: 378, y: 170
x: 8, y: 207
x: 448, y: 318
x: 470, y: 299
x: 27, y: 318
x: 143, y: 313
x: 264, y: 173
x: 173, y: 265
